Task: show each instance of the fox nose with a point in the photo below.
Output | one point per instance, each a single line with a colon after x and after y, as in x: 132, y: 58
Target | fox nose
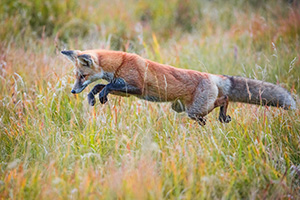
x: 73, y: 91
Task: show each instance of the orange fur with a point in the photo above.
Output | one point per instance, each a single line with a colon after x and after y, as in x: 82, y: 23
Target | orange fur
x: 193, y: 92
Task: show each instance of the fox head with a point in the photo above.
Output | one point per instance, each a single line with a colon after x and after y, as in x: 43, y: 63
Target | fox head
x: 87, y: 69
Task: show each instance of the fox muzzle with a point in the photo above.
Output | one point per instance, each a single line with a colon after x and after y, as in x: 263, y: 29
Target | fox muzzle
x: 79, y: 87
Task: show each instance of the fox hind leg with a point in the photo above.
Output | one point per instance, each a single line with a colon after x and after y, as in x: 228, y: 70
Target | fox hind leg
x: 223, y: 103
x: 203, y: 103
x: 178, y: 106
x: 200, y: 119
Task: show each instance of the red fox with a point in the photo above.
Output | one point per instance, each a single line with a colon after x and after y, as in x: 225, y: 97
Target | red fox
x: 193, y: 92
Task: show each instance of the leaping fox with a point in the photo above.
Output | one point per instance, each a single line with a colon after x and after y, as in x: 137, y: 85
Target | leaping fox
x: 193, y: 92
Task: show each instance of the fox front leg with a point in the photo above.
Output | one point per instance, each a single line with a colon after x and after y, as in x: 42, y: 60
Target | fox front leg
x: 118, y: 85
x: 95, y: 90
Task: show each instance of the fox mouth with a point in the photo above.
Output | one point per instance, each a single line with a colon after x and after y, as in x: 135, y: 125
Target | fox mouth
x: 78, y: 90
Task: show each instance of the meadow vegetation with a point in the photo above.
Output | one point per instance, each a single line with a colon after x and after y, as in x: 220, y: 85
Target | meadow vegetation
x: 53, y: 145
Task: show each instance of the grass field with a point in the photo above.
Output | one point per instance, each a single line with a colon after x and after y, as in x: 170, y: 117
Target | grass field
x: 53, y: 145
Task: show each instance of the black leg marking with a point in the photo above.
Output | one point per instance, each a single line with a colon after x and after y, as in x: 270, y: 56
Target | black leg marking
x: 103, y: 95
x: 91, y: 99
x: 201, y: 120
x: 118, y: 85
x: 95, y: 90
x: 223, y: 118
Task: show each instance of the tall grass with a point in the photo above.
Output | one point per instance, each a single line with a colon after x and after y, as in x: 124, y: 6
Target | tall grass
x: 53, y: 145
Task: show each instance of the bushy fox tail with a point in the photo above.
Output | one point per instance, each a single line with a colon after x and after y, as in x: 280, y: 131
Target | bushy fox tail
x: 258, y: 92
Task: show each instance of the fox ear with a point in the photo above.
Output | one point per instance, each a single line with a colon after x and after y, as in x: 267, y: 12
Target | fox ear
x: 70, y: 54
x: 85, y: 59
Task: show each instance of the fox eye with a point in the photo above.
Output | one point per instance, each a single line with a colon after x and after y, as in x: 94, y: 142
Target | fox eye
x: 82, y: 76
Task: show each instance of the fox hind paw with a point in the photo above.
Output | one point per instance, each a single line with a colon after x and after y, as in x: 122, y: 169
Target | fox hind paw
x: 225, y: 119
x: 201, y: 121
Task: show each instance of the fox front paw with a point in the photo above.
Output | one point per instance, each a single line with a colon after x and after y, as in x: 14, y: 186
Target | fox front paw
x: 103, y: 95
x: 91, y: 99
x: 103, y: 99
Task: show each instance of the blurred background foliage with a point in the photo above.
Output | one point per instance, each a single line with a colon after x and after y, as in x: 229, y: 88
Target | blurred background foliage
x: 71, y: 19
